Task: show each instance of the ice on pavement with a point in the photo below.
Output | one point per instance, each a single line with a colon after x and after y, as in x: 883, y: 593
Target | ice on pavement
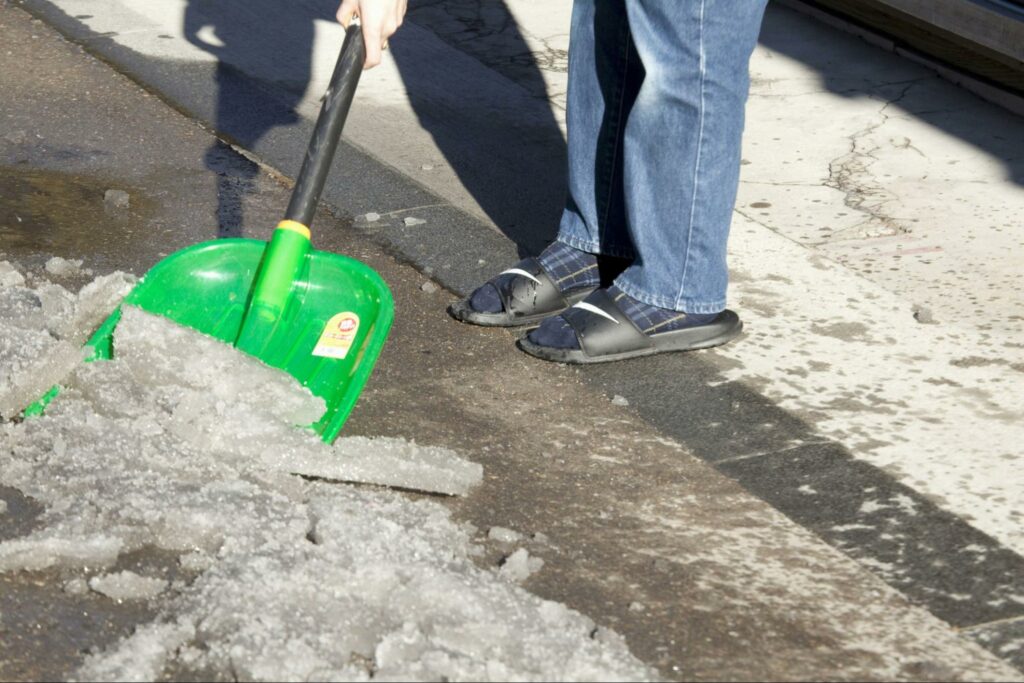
x: 9, y: 275
x: 503, y: 535
x: 56, y: 549
x: 184, y: 445
x: 395, y: 462
x: 62, y: 267
x: 231, y: 404
x: 519, y: 565
x: 127, y: 585
x: 43, y: 332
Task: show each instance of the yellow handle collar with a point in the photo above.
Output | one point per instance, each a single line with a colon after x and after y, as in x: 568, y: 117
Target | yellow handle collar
x: 294, y: 226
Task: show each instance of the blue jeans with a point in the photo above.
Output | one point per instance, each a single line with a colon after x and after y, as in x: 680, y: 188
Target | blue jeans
x: 657, y: 90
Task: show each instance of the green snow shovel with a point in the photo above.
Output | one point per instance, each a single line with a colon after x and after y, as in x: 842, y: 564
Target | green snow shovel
x: 320, y: 317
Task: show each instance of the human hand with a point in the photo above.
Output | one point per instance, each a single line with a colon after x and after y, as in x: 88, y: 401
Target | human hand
x: 379, y: 18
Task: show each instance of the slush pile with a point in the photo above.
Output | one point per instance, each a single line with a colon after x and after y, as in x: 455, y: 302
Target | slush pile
x: 186, y: 445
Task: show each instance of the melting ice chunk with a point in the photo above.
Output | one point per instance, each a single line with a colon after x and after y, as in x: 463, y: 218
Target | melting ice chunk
x: 42, y: 358
x: 127, y: 585
x: 519, y: 566
x: 62, y: 267
x: 503, y: 535
x: 391, y: 462
x: 9, y: 275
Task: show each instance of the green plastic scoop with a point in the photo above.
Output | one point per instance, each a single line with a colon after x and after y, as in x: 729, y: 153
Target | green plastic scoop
x: 322, y: 318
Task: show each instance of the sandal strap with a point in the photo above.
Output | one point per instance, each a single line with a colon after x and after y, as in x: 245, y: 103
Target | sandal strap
x: 602, y: 328
x: 530, y: 289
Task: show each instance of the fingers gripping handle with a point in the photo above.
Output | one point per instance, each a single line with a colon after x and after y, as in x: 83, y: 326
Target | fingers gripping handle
x: 336, y: 103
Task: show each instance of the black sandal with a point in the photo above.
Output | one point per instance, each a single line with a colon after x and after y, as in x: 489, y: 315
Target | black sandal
x: 606, y: 334
x: 528, y: 295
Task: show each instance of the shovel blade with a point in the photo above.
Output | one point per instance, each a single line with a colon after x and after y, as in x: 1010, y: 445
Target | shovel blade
x: 329, y: 336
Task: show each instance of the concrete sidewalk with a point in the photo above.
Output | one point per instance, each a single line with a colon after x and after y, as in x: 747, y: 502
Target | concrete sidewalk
x: 729, y: 588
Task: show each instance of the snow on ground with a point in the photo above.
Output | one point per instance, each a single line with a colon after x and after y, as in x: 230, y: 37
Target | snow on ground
x: 127, y: 586
x: 185, y: 445
x: 44, y: 328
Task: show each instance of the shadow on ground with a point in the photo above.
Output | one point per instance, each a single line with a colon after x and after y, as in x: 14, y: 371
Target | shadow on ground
x: 264, y: 52
x: 878, y: 74
x: 272, y: 42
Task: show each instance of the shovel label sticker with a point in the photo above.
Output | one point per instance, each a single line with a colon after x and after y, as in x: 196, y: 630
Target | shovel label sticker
x: 338, y: 336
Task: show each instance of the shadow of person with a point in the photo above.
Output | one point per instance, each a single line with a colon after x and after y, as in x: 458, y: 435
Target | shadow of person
x: 499, y: 136
x: 246, y: 37
x: 508, y: 155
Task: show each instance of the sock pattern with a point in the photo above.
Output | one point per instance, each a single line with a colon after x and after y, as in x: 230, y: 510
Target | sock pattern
x: 652, y: 319
x: 569, y: 267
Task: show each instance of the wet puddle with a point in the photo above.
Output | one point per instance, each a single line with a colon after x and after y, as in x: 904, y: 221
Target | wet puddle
x: 61, y: 214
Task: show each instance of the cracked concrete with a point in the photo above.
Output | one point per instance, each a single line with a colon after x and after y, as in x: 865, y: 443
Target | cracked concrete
x: 851, y: 174
x: 882, y: 166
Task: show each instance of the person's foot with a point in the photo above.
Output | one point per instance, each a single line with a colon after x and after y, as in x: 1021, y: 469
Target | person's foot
x: 569, y: 269
x: 536, y: 288
x: 611, y: 325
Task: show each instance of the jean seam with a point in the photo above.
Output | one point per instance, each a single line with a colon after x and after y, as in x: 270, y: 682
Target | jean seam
x: 620, y: 96
x: 700, y: 150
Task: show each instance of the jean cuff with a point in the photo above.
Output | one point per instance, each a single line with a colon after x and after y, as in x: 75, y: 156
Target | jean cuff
x: 683, y: 305
x: 595, y: 247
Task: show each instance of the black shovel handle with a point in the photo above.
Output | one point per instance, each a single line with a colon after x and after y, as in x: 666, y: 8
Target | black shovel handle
x: 324, y: 142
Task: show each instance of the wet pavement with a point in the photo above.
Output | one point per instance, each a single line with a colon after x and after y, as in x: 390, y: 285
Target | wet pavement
x: 637, y: 530
x: 51, y: 620
x: 49, y: 212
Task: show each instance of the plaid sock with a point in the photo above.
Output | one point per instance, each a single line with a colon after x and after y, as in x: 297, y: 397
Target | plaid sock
x: 569, y: 267
x: 651, y: 319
